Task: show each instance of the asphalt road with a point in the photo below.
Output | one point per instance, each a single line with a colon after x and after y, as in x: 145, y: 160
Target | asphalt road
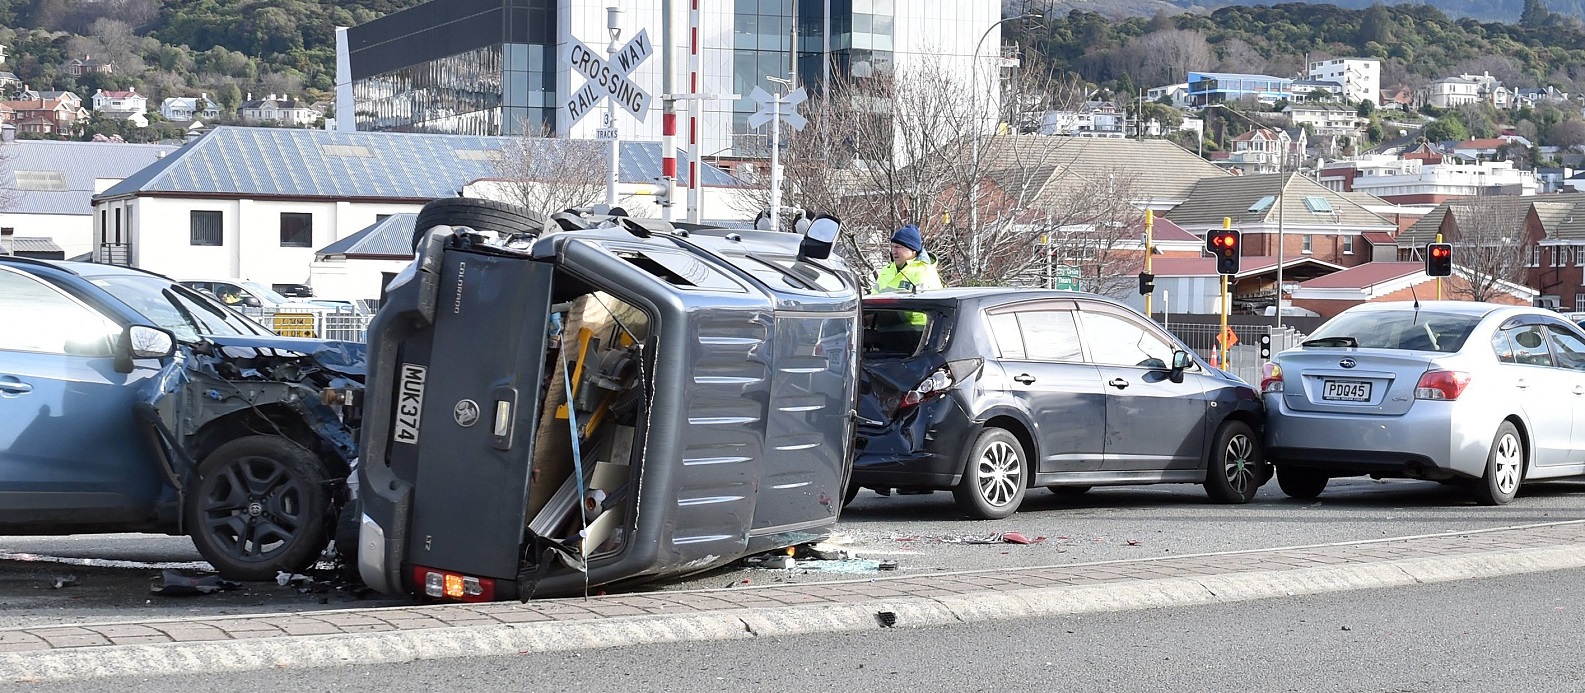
x: 1509, y: 634
x: 919, y: 533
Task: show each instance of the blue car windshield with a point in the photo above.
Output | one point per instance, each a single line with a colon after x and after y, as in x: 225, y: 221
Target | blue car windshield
x: 186, y: 313
x: 1414, y: 330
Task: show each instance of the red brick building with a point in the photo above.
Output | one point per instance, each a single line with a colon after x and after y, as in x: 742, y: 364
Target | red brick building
x: 1547, y: 231
x: 1391, y: 281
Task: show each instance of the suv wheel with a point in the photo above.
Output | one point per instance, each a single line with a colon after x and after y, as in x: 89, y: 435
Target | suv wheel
x: 994, y: 476
x: 258, y: 508
x: 1237, y: 467
x: 484, y: 215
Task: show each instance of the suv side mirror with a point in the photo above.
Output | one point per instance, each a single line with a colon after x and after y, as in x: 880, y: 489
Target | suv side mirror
x: 143, y: 342
x: 251, y: 302
x: 1180, y: 362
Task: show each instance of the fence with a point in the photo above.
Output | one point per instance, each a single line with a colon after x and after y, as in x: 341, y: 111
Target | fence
x: 345, y: 326
x: 1243, y: 358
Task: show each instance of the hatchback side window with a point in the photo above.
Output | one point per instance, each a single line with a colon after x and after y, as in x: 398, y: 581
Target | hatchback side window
x: 1009, y: 339
x: 1050, y: 335
x: 41, y: 319
x: 1115, y: 341
x: 1529, y: 345
x: 1568, y: 347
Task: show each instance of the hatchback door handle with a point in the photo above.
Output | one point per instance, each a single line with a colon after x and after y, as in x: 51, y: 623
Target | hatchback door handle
x: 1521, y: 384
x: 15, y: 388
x: 1118, y: 383
x: 1024, y: 378
x: 1579, y: 389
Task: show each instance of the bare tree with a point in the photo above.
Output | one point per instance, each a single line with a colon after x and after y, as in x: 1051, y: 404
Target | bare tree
x: 1490, y: 246
x: 547, y: 175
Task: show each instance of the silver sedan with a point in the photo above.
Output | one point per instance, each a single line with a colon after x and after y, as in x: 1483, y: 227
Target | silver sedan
x: 1454, y: 391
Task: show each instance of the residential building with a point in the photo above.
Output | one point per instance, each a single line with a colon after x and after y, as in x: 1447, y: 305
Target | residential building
x: 1325, y: 119
x: 137, y: 119
x: 55, y: 181
x: 1195, y: 287
x: 1547, y: 93
x: 488, y: 67
x: 47, y: 112
x: 1491, y: 90
x: 1094, y: 119
x: 1417, y: 181
x: 186, y: 108
x: 120, y: 101
x: 1263, y: 150
x: 1177, y: 95
x: 1399, y: 96
x: 1157, y: 174
x: 1549, y: 230
x: 1306, y: 90
x: 87, y: 65
x: 1391, y: 281
x: 255, y: 203
x: 1217, y: 87
x: 1311, y: 220
x: 285, y: 110
x: 1451, y: 92
x: 353, y: 266
x: 1360, y: 77
x: 1486, y: 149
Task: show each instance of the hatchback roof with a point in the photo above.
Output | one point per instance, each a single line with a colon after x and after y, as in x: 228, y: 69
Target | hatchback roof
x: 81, y: 269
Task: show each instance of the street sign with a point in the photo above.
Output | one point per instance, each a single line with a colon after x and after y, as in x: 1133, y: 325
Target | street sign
x: 788, y: 108
x: 607, y: 79
x: 1065, y: 277
x: 293, y: 324
x: 606, y: 134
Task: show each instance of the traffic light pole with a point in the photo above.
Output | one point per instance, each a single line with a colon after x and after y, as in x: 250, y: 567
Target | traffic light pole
x: 1439, y: 279
x: 1150, y: 223
x: 1227, y: 223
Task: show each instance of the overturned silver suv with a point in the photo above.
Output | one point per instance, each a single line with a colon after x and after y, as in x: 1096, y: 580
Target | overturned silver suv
x: 561, y: 403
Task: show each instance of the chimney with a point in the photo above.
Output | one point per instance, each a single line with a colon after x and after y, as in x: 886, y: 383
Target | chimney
x: 250, y: 96
x: 7, y: 240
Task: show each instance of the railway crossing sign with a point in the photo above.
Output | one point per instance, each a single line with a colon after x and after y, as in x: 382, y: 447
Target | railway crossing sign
x: 607, y: 79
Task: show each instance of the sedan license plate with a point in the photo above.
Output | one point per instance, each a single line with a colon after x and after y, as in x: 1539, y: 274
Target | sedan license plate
x: 1346, y: 390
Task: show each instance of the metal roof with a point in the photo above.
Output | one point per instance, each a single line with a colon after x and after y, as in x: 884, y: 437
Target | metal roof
x: 391, y: 236
x: 290, y: 162
x: 78, y: 163
x: 31, y: 244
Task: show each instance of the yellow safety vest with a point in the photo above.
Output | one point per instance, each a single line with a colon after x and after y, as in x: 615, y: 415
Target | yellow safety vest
x: 917, y: 274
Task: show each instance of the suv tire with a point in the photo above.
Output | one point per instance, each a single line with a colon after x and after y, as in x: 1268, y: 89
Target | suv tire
x: 259, y: 507
x: 483, y: 215
x: 1237, y: 466
x: 995, y: 476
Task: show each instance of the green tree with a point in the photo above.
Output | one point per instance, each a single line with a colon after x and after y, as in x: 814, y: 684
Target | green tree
x: 1535, y: 14
x: 1161, y: 22
x: 1376, y: 25
x: 1365, y: 108
x: 228, y: 97
x: 1447, y: 128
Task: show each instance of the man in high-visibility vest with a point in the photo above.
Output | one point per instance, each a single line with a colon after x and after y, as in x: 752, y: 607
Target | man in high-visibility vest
x: 911, y: 269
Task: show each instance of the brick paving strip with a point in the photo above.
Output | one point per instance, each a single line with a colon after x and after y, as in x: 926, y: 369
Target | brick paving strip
x: 398, y: 634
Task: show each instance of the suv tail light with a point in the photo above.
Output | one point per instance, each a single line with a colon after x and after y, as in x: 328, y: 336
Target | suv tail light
x: 939, y: 381
x: 1271, y: 378
x: 1442, y: 385
x: 444, y: 584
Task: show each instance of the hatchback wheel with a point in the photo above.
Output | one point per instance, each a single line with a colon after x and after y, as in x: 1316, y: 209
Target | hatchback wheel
x: 1237, y: 467
x: 1301, y: 482
x: 994, y: 477
x: 1504, y: 468
x: 260, y: 506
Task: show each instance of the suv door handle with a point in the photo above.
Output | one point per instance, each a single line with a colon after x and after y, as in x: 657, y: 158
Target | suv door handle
x: 14, y: 387
x: 1024, y: 378
x: 1118, y: 383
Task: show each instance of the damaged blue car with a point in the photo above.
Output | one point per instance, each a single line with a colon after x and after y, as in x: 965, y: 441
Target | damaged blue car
x: 129, y: 403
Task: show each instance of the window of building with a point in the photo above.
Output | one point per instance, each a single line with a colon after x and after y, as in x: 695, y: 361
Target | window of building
x: 1308, y: 247
x: 205, y: 228
x: 1317, y: 204
x: 1263, y: 203
x: 1348, y: 245
x: 297, y: 230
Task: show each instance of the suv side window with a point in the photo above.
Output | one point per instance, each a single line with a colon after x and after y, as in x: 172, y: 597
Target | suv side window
x: 1117, y: 341
x: 39, y: 318
x: 1568, y: 347
x: 1050, y: 335
x: 1009, y: 339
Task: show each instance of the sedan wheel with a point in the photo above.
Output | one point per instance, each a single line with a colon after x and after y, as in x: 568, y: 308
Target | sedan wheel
x: 1237, y: 467
x: 1504, y: 468
x: 994, y: 476
x: 260, y: 506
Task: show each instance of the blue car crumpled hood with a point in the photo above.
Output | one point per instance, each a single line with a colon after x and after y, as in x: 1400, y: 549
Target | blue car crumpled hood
x: 278, y: 378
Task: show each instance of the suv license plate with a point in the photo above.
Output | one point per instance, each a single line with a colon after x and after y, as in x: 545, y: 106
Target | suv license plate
x: 1346, y: 390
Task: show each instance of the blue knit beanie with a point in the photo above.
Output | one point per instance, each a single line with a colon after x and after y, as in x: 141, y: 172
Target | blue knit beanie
x: 908, y: 237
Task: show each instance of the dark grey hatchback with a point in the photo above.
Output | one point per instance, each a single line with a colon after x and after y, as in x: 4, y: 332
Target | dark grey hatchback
x: 989, y: 392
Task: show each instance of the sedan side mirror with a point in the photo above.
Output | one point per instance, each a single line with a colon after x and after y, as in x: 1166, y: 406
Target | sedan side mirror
x: 252, y: 302
x: 143, y: 342
x: 1180, y: 363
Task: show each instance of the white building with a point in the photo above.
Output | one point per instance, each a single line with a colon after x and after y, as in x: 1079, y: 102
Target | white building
x: 257, y: 203
x: 185, y: 108
x: 285, y: 110
x: 1095, y: 119
x: 54, y: 183
x: 120, y: 101
x: 1178, y: 94
x: 1452, y: 91
x: 505, y: 72
x: 1324, y: 118
x: 1417, y: 182
x: 1360, y: 77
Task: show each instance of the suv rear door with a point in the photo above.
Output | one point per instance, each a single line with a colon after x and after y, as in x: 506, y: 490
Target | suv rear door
x: 1152, y: 423
x: 1043, y: 368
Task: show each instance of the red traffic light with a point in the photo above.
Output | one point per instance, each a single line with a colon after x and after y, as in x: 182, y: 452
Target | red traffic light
x: 1440, y: 251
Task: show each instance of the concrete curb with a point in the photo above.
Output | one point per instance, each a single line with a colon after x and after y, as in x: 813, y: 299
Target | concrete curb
x: 734, y: 624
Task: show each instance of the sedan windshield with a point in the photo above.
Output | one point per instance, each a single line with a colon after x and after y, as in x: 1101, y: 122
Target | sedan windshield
x: 184, y: 312
x: 1414, y: 330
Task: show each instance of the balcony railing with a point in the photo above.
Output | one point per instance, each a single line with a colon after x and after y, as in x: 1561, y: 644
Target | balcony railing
x: 114, y: 254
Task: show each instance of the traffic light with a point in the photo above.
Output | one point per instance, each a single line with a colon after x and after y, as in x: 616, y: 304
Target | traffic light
x: 1147, y: 283
x: 1223, y: 245
x: 1439, y: 259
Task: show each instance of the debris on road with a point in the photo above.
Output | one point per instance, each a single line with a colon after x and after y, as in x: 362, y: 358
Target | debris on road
x: 995, y: 538
x: 63, y: 581
x: 176, y: 584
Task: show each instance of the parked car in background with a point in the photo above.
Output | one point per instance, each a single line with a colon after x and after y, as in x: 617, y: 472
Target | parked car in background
x: 991, y: 392
x: 1481, y: 394
x: 294, y: 290
x: 130, y: 403
x: 241, y: 294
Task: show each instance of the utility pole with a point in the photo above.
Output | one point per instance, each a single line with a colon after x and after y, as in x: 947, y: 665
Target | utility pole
x: 1282, y: 186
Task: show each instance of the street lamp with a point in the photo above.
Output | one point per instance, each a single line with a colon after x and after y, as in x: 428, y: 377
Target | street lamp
x: 974, y: 106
